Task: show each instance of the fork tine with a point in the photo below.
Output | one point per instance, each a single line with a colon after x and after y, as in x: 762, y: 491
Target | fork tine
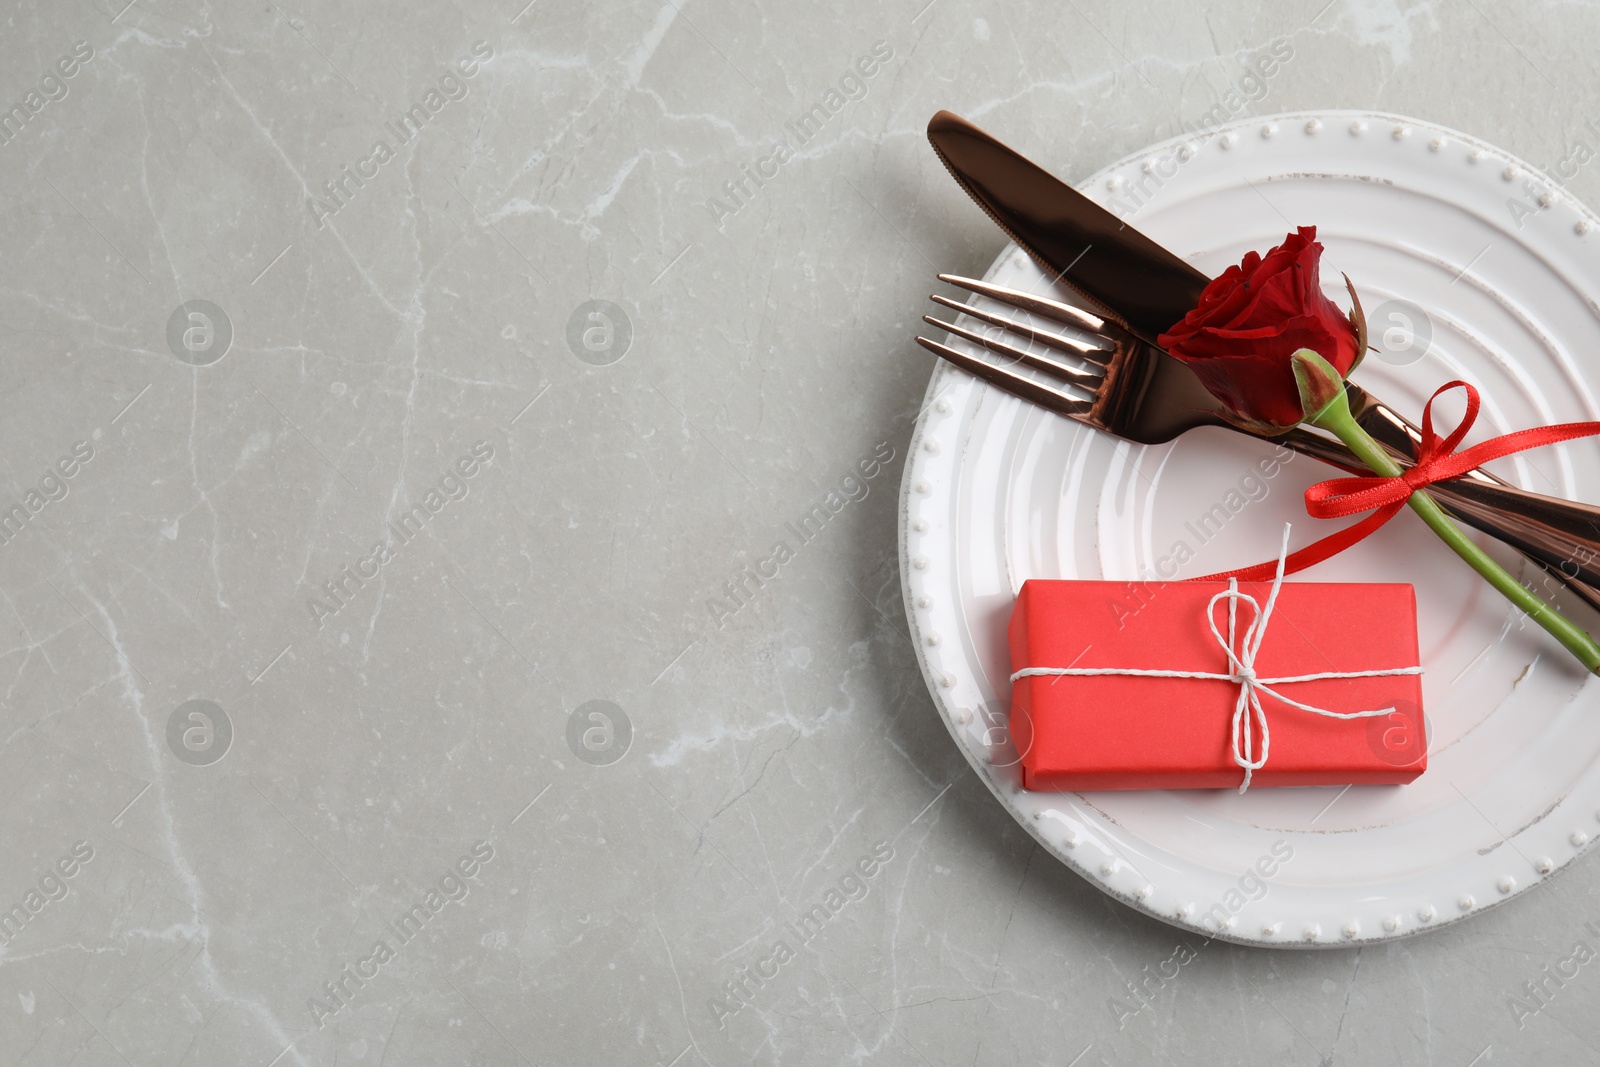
x: 1046, y: 308
x: 1081, y: 349
x: 1082, y: 379
x: 1011, y: 382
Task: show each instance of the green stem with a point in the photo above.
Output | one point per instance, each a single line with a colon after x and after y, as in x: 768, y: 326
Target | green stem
x: 1337, y: 419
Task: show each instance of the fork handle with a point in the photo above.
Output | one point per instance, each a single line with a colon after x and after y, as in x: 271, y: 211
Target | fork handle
x: 1559, y: 535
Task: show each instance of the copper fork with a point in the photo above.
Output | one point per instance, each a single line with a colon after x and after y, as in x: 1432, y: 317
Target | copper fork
x: 1113, y: 381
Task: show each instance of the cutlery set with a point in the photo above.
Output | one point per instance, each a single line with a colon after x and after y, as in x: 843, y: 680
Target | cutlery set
x: 1102, y: 367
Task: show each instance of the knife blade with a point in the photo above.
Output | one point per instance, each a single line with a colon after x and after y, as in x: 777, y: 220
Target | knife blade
x: 1074, y: 239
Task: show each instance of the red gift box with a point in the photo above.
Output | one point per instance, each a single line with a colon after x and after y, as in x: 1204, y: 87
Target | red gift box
x: 1120, y: 731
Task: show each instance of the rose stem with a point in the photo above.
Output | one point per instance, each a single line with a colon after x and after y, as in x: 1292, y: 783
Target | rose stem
x: 1336, y: 418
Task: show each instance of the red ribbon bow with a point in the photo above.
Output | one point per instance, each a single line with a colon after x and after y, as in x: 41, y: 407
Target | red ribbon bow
x: 1437, y: 460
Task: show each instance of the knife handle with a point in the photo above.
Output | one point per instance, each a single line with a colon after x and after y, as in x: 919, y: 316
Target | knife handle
x: 1579, y: 521
x: 1558, y: 535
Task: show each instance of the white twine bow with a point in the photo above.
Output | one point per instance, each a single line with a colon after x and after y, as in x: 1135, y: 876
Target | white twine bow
x: 1247, y: 711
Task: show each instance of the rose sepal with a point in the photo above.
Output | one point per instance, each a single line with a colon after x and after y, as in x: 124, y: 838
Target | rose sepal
x: 1358, y: 321
x: 1320, y: 383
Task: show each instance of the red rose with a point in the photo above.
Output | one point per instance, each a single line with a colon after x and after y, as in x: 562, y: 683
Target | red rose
x: 1252, y: 319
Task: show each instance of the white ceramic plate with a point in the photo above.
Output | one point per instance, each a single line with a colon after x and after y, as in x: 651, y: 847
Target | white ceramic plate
x: 998, y: 491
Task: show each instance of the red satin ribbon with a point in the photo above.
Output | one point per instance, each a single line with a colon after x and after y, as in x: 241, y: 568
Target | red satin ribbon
x: 1437, y: 460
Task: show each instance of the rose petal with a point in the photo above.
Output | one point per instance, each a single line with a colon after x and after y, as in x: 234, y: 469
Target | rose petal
x: 1251, y: 319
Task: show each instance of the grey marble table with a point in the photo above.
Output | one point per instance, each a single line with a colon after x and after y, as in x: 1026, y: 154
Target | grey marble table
x: 398, y: 400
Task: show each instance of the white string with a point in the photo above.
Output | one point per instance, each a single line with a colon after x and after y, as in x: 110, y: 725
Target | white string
x: 1247, y: 711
